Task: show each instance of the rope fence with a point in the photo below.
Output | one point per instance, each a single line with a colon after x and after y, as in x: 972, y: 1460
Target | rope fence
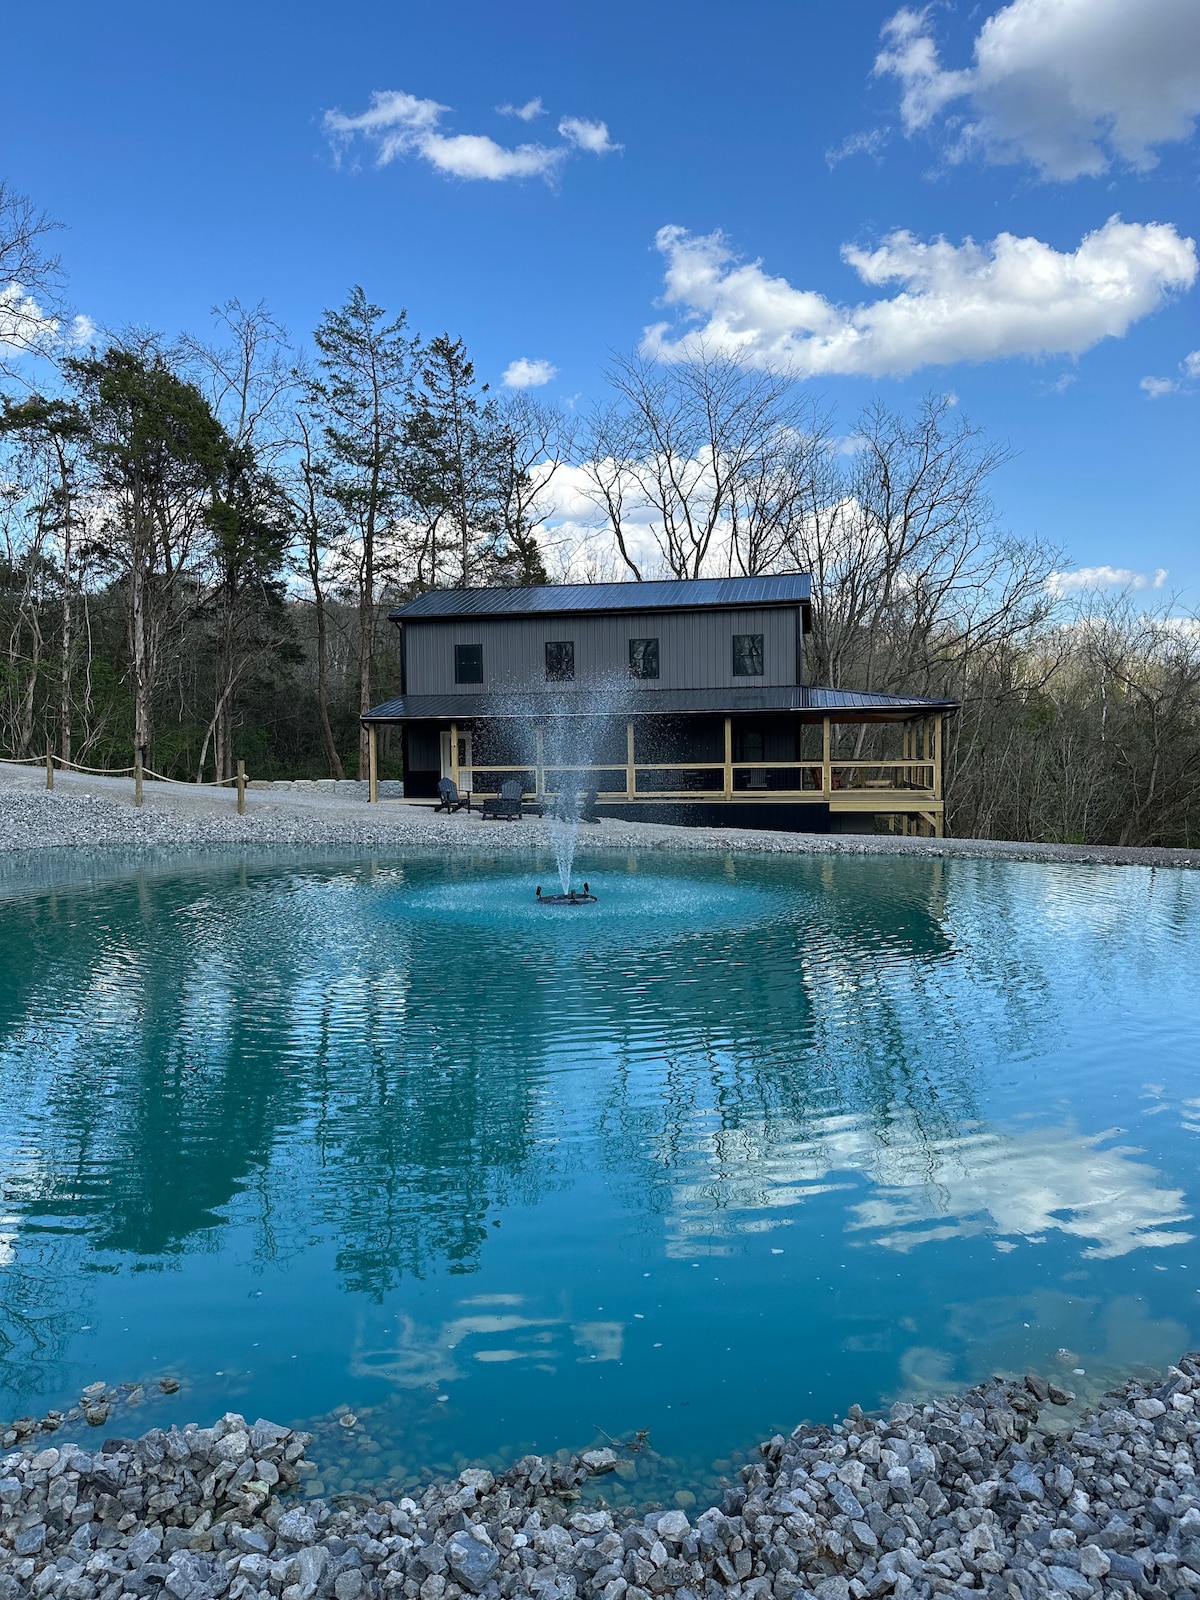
x: 137, y: 772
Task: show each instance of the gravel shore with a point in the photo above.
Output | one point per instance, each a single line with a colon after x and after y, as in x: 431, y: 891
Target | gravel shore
x: 99, y: 812
x: 978, y: 1494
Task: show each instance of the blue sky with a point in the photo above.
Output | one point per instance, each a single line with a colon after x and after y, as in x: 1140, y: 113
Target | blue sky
x: 192, y: 154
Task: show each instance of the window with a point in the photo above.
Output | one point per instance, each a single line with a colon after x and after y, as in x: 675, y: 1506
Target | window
x: 560, y: 660
x: 643, y: 658
x: 468, y: 663
x: 747, y: 655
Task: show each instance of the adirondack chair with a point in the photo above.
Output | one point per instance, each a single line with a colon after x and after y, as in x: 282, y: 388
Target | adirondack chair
x: 505, y: 806
x: 576, y: 805
x: 449, y: 798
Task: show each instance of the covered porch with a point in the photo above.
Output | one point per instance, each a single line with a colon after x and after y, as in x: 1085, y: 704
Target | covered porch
x: 828, y: 760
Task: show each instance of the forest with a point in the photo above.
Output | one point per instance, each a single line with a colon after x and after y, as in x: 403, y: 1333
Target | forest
x: 201, y: 537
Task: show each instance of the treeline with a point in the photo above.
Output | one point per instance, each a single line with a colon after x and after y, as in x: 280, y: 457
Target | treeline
x: 199, y: 542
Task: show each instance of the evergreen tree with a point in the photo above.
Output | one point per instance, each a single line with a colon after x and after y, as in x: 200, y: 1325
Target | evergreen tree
x: 360, y: 401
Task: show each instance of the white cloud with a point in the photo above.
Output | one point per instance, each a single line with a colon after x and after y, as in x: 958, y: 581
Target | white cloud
x: 868, y: 143
x: 83, y: 330
x: 398, y: 124
x: 527, y: 112
x: 23, y: 323
x: 1087, y: 579
x: 26, y: 327
x: 968, y: 302
x: 1070, y: 85
x: 590, y: 136
x: 1156, y: 388
x: 526, y: 374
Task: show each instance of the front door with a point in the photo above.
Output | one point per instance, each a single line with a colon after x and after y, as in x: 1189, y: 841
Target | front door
x: 463, y: 776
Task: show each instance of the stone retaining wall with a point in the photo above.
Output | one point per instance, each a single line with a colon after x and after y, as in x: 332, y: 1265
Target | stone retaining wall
x: 340, y: 788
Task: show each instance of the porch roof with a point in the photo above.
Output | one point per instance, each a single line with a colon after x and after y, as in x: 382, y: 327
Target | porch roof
x: 850, y: 705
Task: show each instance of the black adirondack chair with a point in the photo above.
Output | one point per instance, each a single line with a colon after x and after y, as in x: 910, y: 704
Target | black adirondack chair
x: 505, y: 806
x: 577, y: 806
x: 449, y: 798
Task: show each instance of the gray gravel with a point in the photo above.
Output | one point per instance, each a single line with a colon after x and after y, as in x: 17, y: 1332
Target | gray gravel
x: 94, y: 812
x: 978, y: 1494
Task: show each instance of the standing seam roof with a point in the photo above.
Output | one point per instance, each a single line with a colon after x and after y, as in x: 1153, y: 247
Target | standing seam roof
x: 785, y: 588
x: 520, y: 705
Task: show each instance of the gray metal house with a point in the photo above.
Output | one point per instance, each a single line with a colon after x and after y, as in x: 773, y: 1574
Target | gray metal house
x: 675, y: 701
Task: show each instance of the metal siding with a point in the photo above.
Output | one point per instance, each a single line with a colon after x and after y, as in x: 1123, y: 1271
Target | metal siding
x: 695, y: 649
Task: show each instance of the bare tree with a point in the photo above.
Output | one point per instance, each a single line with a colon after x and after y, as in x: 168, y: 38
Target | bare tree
x: 533, y: 442
x: 30, y: 280
x: 321, y: 532
x: 911, y: 574
x: 719, y: 460
x: 248, y: 379
x: 52, y: 433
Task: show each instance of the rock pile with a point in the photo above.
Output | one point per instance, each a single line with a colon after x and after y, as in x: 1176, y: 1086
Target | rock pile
x: 95, y: 1407
x: 961, y: 1497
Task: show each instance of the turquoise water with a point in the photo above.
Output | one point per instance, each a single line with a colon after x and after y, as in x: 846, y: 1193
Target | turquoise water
x: 745, y: 1142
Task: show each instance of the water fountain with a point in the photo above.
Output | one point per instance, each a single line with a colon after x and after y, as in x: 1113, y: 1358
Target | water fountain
x: 571, y: 898
x: 578, y: 748
x: 569, y: 811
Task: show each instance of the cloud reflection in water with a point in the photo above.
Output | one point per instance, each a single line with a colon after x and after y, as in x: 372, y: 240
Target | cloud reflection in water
x: 1014, y: 1184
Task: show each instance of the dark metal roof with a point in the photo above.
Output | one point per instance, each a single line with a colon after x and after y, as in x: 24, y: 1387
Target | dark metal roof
x: 648, y: 703
x: 681, y: 594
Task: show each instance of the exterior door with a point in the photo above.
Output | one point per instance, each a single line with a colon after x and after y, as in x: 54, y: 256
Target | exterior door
x: 464, y: 760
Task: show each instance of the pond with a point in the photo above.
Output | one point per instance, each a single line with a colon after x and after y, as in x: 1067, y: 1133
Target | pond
x: 747, y: 1141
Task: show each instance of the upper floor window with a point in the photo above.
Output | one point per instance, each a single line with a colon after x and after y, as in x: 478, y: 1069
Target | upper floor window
x: 747, y: 655
x: 643, y: 658
x: 560, y: 660
x: 468, y: 663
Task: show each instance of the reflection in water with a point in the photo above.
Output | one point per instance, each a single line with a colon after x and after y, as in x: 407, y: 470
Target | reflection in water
x: 321, y: 1131
x: 1022, y: 1183
x: 423, y: 1355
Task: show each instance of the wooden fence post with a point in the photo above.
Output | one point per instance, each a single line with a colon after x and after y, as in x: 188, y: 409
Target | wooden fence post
x: 241, y: 788
x: 137, y: 776
x: 49, y: 769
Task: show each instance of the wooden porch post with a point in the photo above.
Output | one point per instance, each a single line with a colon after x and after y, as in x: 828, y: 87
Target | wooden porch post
x: 937, y: 757
x: 539, y: 762
x: 729, y: 758
x: 826, y: 748
x: 630, y: 769
x: 372, y: 764
x: 938, y: 788
x: 454, y: 752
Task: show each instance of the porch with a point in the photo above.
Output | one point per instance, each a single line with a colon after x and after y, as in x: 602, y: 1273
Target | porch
x: 849, y: 767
